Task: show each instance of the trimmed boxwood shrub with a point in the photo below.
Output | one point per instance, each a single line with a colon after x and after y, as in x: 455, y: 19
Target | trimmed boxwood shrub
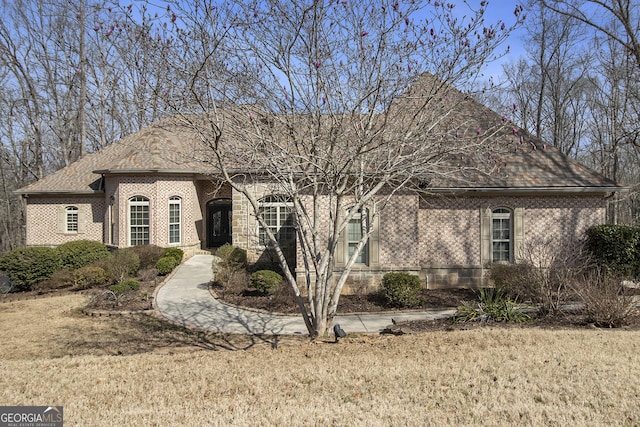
x: 266, y: 281
x: 617, y: 247
x: 79, y: 253
x: 88, y: 277
x: 401, y: 289
x: 175, y: 253
x: 166, y: 264
x: 29, y: 265
x: 125, y: 286
x: 148, y: 254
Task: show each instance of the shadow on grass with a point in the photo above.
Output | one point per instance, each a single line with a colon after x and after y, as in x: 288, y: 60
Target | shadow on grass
x: 135, y: 334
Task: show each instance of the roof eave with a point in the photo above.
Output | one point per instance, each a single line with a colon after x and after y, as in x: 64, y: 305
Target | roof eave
x: 59, y: 192
x: 530, y: 190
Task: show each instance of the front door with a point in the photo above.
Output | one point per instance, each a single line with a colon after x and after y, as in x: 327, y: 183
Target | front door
x: 218, y: 222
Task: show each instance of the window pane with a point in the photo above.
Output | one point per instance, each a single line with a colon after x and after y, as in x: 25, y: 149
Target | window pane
x: 72, y: 219
x: 501, y: 235
x: 277, y: 212
x: 139, y: 221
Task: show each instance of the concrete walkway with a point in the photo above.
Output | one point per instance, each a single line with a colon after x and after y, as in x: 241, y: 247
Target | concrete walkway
x: 185, y: 299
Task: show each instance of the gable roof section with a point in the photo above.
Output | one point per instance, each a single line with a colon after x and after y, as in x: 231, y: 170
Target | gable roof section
x: 159, y: 148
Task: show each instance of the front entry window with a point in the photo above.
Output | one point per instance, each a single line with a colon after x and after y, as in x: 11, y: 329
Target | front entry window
x: 277, y: 212
x: 138, y: 221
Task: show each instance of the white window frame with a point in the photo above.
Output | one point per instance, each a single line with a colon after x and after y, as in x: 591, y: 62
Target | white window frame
x: 175, y: 225
x: 498, y: 237
x: 71, y: 219
x: 139, y: 202
x: 281, y: 222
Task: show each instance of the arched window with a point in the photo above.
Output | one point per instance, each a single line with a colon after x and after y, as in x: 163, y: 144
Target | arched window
x: 175, y: 219
x: 501, y: 235
x: 277, y: 212
x: 138, y: 221
x: 71, y: 219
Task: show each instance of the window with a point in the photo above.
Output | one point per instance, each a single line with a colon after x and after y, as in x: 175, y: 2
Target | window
x: 175, y: 215
x: 139, y: 221
x: 277, y: 212
x: 71, y: 219
x: 356, y: 228
x: 501, y: 235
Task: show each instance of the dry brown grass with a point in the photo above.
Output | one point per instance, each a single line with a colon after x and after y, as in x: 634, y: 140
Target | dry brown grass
x: 138, y: 371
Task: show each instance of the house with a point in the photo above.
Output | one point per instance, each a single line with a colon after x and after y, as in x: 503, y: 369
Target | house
x: 157, y: 186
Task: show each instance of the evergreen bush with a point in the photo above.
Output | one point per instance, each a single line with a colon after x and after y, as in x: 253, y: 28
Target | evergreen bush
x: 125, y: 286
x: 78, y: 253
x: 401, y: 289
x: 175, y: 253
x: 88, y: 277
x: 166, y: 264
x: 266, y: 281
x: 29, y: 265
x: 617, y: 247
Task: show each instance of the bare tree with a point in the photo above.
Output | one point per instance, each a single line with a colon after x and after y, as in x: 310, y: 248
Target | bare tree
x: 549, y: 85
x: 333, y: 107
x: 600, y: 15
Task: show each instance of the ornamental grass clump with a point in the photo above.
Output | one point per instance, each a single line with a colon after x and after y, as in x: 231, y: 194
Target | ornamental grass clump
x: 492, y: 304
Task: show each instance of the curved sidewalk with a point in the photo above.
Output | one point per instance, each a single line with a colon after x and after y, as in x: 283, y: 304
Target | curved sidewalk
x: 185, y: 299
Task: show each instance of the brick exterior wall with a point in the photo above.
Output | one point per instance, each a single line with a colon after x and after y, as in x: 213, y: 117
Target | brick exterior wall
x: 158, y: 189
x: 45, y: 219
x: 450, y: 241
x: 437, y: 238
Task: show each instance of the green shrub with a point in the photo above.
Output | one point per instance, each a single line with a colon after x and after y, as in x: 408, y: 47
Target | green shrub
x: 175, y: 253
x: 401, y: 289
x: 232, y: 256
x: 125, y: 286
x: 617, y: 247
x: 165, y: 265
x: 29, y: 265
x: 79, y: 253
x: 88, y: 277
x: 148, y: 254
x: 266, y: 281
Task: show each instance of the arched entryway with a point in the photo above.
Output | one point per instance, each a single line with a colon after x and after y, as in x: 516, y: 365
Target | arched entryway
x: 219, y: 219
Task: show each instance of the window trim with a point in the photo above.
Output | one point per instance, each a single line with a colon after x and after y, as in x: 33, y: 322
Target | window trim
x: 140, y: 201
x: 518, y: 228
x: 174, y: 201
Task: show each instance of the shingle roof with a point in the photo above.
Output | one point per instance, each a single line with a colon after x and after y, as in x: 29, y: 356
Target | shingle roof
x: 171, y: 146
